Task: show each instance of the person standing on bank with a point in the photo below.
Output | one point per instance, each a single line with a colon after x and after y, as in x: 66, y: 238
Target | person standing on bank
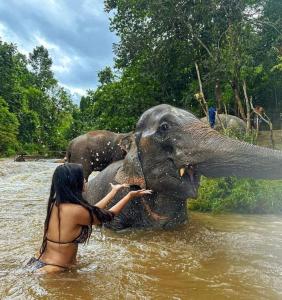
x: 70, y: 218
x: 212, y: 115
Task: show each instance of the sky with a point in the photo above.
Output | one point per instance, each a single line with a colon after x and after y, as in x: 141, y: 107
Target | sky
x: 75, y: 32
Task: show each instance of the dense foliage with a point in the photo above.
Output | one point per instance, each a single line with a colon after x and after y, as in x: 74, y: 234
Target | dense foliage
x: 238, y: 195
x: 160, y: 42
x: 35, y: 112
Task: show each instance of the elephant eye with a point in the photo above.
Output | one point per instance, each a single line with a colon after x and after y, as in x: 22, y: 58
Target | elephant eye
x: 164, y: 127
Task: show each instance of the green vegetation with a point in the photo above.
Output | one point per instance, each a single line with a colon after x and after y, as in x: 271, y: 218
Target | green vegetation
x: 238, y: 195
x: 35, y: 112
x: 8, y: 128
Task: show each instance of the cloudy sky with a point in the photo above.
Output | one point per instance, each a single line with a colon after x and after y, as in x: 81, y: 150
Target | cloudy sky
x: 75, y: 32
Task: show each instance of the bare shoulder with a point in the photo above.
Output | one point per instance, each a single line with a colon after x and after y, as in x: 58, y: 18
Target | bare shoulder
x: 74, y: 209
x: 79, y: 214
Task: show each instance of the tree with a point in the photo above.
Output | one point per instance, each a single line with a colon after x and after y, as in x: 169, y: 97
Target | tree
x: 8, y: 129
x: 164, y: 40
x: 29, y: 129
x: 13, y: 75
x: 40, y: 62
x: 106, y: 76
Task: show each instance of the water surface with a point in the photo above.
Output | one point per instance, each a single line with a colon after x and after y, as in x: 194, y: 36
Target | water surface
x: 211, y: 257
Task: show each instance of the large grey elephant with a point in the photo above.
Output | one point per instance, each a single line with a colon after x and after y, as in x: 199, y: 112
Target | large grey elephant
x: 95, y: 150
x: 172, y: 150
x: 229, y: 122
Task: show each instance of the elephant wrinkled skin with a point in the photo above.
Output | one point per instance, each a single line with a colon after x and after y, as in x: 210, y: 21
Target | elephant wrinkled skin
x: 95, y: 150
x: 172, y: 149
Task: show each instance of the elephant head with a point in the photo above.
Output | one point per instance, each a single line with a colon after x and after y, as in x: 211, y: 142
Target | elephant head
x: 173, y: 149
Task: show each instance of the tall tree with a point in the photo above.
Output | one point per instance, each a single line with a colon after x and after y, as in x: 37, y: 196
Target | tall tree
x: 8, y: 128
x: 106, y: 76
x: 41, y: 63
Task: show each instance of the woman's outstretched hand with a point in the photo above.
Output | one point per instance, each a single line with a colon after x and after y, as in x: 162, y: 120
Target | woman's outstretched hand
x: 138, y: 193
x: 117, y: 187
x: 117, y: 208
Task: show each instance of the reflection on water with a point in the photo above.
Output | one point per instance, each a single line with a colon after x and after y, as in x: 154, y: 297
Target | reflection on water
x: 212, y: 257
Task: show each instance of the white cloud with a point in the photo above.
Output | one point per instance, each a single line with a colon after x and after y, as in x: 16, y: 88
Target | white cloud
x: 73, y: 90
x: 62, y: 65
x: 75, y: 33
x: 48, y: 45
x: 9, y: 36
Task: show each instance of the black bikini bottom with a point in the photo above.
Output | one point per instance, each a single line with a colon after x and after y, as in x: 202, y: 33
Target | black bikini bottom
x: 35, y: 264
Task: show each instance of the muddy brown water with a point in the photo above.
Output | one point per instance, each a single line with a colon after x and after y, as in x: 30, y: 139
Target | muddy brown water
x: 211, y: 257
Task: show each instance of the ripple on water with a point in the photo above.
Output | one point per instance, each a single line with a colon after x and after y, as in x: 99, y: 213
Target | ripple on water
x: 212, y: 257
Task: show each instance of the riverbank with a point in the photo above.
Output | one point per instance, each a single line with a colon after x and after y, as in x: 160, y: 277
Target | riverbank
x: 231, y: 194
x: 264, y: 139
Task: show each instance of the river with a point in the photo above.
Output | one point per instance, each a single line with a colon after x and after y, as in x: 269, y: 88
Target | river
x: 212, y: 257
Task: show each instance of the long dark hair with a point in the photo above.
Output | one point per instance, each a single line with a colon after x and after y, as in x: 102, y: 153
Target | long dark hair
x: 67, y: 187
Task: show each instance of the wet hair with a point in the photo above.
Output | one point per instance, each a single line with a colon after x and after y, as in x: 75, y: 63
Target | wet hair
x: 67, y: 187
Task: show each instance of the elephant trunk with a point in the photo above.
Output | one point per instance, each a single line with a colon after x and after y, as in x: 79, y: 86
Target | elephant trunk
x: 219, y: 156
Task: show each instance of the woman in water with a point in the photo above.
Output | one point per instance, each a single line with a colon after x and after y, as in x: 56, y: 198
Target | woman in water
x: 70, y: 218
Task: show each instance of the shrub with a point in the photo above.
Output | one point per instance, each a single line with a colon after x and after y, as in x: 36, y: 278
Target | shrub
x: 239, y: 195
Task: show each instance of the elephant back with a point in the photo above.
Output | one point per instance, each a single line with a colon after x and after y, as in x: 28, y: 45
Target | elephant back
x: 97, y: 189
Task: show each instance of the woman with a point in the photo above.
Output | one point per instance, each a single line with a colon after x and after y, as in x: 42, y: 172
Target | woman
x: 70, y: 218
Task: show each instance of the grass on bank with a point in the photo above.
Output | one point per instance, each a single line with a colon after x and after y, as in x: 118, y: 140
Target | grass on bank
x: 238, y: 195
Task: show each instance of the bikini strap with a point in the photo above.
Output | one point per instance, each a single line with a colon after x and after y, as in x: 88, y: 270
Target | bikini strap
x: 58, y: 242
x: 47, y: 264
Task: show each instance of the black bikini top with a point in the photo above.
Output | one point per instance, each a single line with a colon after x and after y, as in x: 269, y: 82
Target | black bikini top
x: 81, y: 238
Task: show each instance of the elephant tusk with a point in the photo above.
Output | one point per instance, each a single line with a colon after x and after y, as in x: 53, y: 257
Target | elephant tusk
x: 182, y: 172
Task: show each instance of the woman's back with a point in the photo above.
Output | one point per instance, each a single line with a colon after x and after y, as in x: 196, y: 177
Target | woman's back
x: 64, y: 233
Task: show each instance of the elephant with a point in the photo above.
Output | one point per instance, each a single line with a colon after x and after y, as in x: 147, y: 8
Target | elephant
x: 95, y: 150
x: 229, y: 122
x: 171, y: 150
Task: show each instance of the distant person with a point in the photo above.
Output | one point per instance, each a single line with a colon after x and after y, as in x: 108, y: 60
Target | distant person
x: 70, y: 218
x: 212, y: 115
x: 257, y: 113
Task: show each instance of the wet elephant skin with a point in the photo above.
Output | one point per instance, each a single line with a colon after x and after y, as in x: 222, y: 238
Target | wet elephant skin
x: 170, y: 152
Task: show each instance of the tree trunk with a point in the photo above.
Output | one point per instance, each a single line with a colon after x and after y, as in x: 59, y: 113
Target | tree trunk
x: 218, y: 95
x: 235, y: 88
x: 202, y: 99
x: 247, y: 101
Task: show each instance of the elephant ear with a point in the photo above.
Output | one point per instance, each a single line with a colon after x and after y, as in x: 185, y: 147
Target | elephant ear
x: 126, y: 142
x: 131, y: 170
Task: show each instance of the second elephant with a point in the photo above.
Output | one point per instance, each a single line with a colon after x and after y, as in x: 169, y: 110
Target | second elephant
x: 97, y: 149
x: 229, y: 122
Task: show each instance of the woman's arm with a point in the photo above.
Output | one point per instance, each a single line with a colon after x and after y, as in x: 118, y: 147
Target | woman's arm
x: 109, y: 197
x: 81, y: 214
